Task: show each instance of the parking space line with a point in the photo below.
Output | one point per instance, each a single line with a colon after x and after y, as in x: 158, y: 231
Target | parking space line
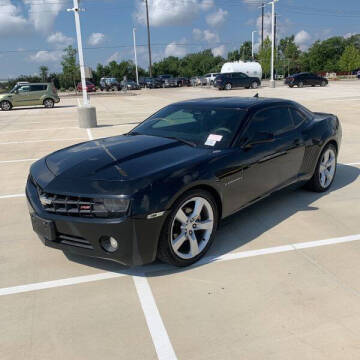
x: 90, y: 134
x: 60, y: 128
x: 159, y: 335
x: 153, y: 268
x: 35, y: 141
x: 59, y: 283
x: 11, y: 196
x: 16, y: 161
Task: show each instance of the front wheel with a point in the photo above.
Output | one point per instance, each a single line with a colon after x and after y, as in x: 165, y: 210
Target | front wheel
x: 6, y: 105
x: 49, y: 103
x: 323, y: 83
x: 300, y: 84
x: 325, y: 170
x: 228, y: 86
x: 189, y: 229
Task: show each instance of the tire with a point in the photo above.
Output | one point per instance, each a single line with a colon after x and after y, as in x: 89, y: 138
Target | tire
x: 317, y: 183
x: 254, y: 85
x: 300, y: 84
x: 228, y: 86
x: 291, y: 86
x: 189, y: 248
x: 49, y: 103
x: 6, y: 105
x: 323, y: 83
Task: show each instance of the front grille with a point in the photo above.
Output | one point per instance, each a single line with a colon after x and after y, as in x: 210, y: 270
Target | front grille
x: 74, y: 241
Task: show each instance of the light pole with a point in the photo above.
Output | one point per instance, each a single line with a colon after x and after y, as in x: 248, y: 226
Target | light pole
x: 87, y: 113
x: 136, y: 66
x: 272, y: 81
x: 148, y: 33
x: 252, y: 43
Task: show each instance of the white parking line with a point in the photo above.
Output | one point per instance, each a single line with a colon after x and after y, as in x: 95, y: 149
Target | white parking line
x: 90, y: 134
x: 154, y: 268
x: 60, y: 128
x: 35, y: 141
x: 11, y: 196
x: 16, y: 161
x: 159, y: 335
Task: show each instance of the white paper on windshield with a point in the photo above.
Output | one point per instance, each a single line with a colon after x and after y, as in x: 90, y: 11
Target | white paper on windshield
x: 213, y: 139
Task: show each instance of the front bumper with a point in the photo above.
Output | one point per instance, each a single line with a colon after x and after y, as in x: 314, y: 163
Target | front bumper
x: 137, y: 237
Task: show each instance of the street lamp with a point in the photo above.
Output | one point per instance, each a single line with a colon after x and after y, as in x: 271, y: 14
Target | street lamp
x: 252, y: 43
x: 272, y: 81
x: 135, y: 56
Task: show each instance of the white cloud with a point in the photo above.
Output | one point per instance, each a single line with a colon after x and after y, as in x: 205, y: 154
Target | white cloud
x: 349, y: 35
x: 11, y: 21
x: 171, y: 12
x: 96, y: 39
x: 219, y: 51
x: 205, y: 35
x: 174, y: 49
x: 42, y: 13
x: 302, y: 39
x: 46, y: 56
x: 59, y: 40
x: 116, y: 56
x: 217, y: 18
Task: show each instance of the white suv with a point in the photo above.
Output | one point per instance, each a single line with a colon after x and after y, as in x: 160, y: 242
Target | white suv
x: 210, y: 78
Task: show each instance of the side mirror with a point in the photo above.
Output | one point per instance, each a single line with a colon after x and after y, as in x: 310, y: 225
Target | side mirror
x: 259, y: 138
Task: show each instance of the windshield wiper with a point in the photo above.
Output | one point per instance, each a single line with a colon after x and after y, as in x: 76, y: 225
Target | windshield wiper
x: 187, y: 142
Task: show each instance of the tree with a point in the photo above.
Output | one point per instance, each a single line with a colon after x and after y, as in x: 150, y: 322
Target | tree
x: 71, y: 72
x: 233, y: 55
x: 350, y: 59
x: 44, y: 70
x: 245, y: 51
x: 265, y: 57
x: 288, y: 54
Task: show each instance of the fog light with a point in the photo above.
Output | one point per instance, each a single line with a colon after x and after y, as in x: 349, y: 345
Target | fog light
x: 109, y: 244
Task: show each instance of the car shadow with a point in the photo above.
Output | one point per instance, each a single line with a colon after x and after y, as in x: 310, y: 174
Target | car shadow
x: 41, y: 106
x: 240, y: 228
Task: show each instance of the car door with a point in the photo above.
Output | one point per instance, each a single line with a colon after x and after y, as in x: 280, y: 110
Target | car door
x: 260, y: 168
x: 21, y: 96
x: 35, y: 94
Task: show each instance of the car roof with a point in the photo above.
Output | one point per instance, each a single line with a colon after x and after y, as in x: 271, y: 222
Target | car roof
x: 235, y: 102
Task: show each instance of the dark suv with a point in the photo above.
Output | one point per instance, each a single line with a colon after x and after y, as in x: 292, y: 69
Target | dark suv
x: 228, y: 81
x: 302, y: 79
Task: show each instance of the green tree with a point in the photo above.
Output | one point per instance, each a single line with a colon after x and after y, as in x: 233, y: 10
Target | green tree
x: 264, y: 56
x: 350, y: 59
x: 288, y: 55
x: 44, y: 71
x: 71, y: 72
x: 245, y: 51
x: 233, y: 55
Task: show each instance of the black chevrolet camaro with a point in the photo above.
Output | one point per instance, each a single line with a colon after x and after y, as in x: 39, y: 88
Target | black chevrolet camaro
x: 161, y: 190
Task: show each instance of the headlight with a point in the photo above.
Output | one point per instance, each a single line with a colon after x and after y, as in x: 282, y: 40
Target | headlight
x: 111, y: 207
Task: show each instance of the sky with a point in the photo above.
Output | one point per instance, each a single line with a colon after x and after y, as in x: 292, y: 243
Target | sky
x: 34, y: 32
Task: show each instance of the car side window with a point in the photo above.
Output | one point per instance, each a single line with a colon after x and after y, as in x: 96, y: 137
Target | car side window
x: 298, y: 117
x: 23, y: 89
x: 38, y: 87
x: 275, y: 120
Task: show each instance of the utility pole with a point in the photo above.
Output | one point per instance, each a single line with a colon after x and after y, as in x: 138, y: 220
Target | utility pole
x: 148, y: 33
x: 136, y: 65
x: 262, y: 24
x: 272, y: 81
x: 252, y: 44
x: 87, y: 113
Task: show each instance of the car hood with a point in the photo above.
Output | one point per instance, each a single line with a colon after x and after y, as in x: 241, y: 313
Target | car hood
x: 121, y: 158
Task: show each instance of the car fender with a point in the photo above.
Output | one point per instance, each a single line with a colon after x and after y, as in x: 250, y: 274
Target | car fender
x: 7, y: 98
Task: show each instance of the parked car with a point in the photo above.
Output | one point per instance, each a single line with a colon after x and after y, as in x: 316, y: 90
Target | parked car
x: 167, y: 81
x: 30, y: 94
x: 90, y: 87
x: 305, y: 79
x: 228, y: 81
x: 160, y: 190
x: 150, y: 83
x: 183, y: 81
x: 210, y: 78
x: 130, y: 85
x: 109, y: 84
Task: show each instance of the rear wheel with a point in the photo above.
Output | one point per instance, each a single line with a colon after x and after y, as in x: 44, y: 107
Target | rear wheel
x: 300, y: 84
x: 325, y: 170
x: 49, y: 103
x: 254, y: 85
x: 323, y: 83
x: 228, y: 86
x: 6, y: 105
x: 189, y: 230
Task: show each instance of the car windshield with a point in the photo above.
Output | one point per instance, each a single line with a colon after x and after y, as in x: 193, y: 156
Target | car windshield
x: 202, y: 126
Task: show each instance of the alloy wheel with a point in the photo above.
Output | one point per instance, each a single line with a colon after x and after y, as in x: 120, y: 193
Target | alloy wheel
x: 254, y: 85
x: 192, y: 227
x: 5, y: 105
x: 301, y: 84
x: 327, y: 168
x: 228, y: 86
x: 48, y: 103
